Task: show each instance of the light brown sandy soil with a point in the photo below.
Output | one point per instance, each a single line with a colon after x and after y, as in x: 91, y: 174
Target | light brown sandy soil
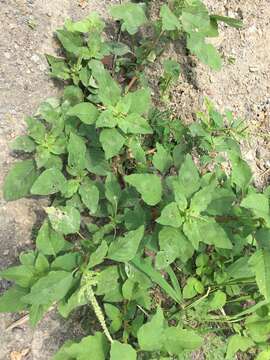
x: 242, y: 86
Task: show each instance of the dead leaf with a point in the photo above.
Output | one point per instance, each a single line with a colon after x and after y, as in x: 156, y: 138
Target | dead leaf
x: 19, y: 355
x: 83, y: 3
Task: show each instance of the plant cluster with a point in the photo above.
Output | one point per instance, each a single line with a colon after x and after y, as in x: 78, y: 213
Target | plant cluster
x: 153, y: 223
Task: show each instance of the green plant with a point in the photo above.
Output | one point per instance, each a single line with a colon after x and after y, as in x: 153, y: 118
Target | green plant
x: 152, y: 223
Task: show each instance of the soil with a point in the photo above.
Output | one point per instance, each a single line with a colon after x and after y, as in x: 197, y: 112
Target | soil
x: 27, y: 27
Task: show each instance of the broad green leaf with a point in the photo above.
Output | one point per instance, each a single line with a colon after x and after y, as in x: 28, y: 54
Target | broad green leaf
x: 201, y: 200
x: 109, y: 91
x: 73, y: 43
x: 107, y: 280
x: 137, y: 150
x: 134, y: 124
x: 260, y: 263
x: 112, y: 189
x: 173, y: 244
x: 218, y: 301
x: 140, y: 101
x: 22, y: 275
x: 76, y: 153
x: 151, y: 335
x: 240, y: 268
x: 162, y: 159
x: 36, y: 130
x: 48, y: 111
x: 207, y: 53
x: 11, y: 302
x: 170, y: 216
x: 19, y: 180
x: 241, y: 174
x: 115, y: 316
x: 58, y: 67
x: 75, y: 300
x: 238, y: 343
x: 179, y: 195
x: 207, y: 231
x: 124, y: 249
x: 176, y: 340
x: 41, y: 264
x: 61, y: 353
x: 23, y: 143
x: 86, y: 112
x: 131, y: 14
x: 189, y: 178
x: 236, y: 23
x: 98, y: 256
x: 148, y: 185
x: 49, y: 182
x: 50, y: 288
x: 36, y: 313
x: 258, y: 204
x: 92, y: 22
x: 264, y: 355
x: 67, y: 262
x: 65, y: 220
x: 96, y: 346
x: 106, y: 119
x: 122, y: 351
x: 169, y: 20
x: 96, y: 162
x: 195, y: 17
x: 89, y: 195
x: 49, y: 241
x: 73, y: 95
x: 112, y: 142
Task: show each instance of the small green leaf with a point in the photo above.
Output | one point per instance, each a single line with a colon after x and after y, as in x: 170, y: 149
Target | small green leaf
x: 23, y: 143
x: 49, y: 241
x: 49, y: 182
x: 11, y: 302
x: 50, y: 288
x: 19, y: 180
x: 170, y: 216
x: 75, y: 300
x: 140, y: 101
x: 134, y: 124
x: 36, y: 130
x: 65, y: 220
x: 122, y: 351
x: 148, y: 185
x: 22, y: 275
x: 131, y: 14
x: 169, y: 20
x: 90, y: 195
x: 58, y: 67
x: 85, y: 111
x: 192, y: 288
x: 162, y: 159
x: 176, y: 340
x: 98, y: 256
x: 73, y: 94
x: 236, y: 23
x: 112, y: 142
x: 207, y: 231
x: 124, y: 249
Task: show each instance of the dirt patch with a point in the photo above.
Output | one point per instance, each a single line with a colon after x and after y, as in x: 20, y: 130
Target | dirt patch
x: 26, y: 34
